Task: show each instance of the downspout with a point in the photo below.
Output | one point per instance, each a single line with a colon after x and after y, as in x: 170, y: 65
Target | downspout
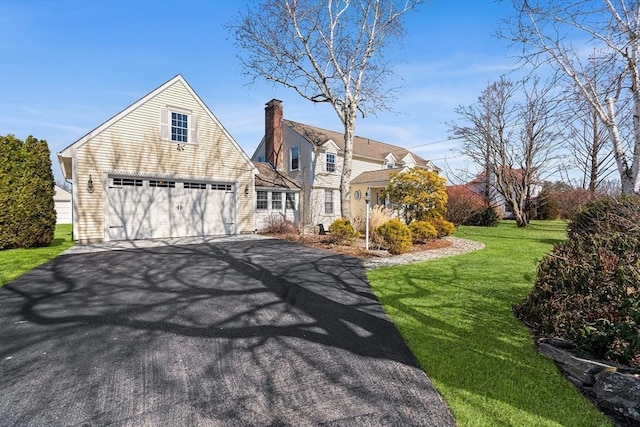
x: 71, y: 185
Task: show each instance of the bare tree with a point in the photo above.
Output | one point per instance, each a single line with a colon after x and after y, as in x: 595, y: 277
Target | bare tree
x: 513, y: 141
x: 587, y: 141
x: 557, y: 32
x: 327, y: 51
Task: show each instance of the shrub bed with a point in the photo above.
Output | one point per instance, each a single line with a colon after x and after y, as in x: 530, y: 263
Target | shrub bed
x: 588, y: 289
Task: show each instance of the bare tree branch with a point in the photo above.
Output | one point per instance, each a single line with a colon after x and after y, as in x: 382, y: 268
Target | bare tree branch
x: 326, y: 51
x: 555, y: 33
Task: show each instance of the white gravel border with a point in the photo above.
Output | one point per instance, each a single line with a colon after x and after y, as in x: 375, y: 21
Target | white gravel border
x: 459, y: 246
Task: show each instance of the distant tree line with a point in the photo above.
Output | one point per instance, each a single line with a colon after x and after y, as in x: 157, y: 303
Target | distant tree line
x: 27, y: 214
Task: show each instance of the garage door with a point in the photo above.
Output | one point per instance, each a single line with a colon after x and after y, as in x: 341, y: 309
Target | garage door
x: 146, y: 208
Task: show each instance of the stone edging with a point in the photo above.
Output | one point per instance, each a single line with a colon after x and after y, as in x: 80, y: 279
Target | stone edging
x: 459, y: 246
x: 612, y: 387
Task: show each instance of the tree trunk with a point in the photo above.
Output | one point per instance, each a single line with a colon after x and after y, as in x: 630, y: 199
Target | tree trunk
x: 626, y: 175
x: 345, y: 176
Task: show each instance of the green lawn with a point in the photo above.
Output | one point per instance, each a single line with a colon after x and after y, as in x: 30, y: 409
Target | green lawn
x: 455, y: 314
x: 16, y: 262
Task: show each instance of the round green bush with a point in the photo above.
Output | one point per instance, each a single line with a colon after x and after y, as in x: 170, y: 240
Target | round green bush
x: 341, y: 232
x: 422, y: 231
x: 487, y: 217
x: 396, y: 235
x: 588, y: 289
x: 442, y: 226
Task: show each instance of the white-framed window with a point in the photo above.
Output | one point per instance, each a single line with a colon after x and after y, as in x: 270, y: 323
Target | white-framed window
x: 328, y: 201
x: 160, y: 183
x: 276, y: 201
x: 127, y: 182
x: 261, y: 200
x: 331, y: 162
x: 295, y: 158
x: 195, y: 185
x: 178, y: 126
x: 290, y: 202
x: 221, y: 187
x: 388, y: 164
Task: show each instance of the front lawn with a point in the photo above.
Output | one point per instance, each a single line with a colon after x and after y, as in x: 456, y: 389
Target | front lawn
x: 455, y: 314
x: 16, y: 262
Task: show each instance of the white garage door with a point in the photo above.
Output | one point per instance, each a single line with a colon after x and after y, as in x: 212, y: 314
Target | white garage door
x: 146, y: 208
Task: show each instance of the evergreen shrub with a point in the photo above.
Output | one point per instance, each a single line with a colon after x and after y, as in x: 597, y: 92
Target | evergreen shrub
x: 27, y: 216
x: 396, y: 236
x: 422, y: 231
x: 341, y: 232
x: 588, y: 289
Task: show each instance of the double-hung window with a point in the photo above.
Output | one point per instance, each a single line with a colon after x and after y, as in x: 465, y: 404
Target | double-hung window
x: 331, y: 162
x: 261, y: 200
x: 178, y: 126
x: 328, y: 201
x: 276, y: 201
x: 295, y: 158
x: 290, y: 202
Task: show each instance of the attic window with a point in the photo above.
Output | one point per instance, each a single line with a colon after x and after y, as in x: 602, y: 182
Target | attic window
x: 178, y: 126
x: 388, y: 164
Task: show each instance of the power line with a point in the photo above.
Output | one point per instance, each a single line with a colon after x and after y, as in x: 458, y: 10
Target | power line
x: 434, y: 142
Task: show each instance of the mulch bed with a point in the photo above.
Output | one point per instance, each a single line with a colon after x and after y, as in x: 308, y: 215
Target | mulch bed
x: 357, y: 249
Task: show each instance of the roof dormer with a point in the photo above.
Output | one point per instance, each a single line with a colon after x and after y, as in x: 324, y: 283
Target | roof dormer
x: 389, y: 161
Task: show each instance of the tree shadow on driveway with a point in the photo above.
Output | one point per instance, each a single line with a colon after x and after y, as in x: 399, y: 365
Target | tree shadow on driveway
x: 260, y: 332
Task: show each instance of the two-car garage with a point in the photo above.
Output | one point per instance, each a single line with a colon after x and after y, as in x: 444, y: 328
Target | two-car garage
x: 147, y: 208
x: 164, y: 167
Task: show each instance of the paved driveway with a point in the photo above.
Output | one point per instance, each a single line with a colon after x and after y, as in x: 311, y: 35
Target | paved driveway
x: 224, y: 333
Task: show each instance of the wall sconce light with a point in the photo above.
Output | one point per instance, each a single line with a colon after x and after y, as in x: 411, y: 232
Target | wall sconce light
x: 180, y: 147
x: 90, y: 185
x: 246, y: 190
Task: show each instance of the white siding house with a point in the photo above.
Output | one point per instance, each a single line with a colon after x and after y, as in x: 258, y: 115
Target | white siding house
x: 312, y: 158
x: 162, y: 167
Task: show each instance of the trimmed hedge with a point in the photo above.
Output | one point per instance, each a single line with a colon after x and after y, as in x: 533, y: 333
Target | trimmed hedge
x: 28, y: 216
x: 588, y: 289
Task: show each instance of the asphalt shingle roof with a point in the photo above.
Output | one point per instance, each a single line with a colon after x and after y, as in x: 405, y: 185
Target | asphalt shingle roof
x: 364, y: 147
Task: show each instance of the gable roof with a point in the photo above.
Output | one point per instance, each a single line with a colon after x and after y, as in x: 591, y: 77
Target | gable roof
x: 70, y: 150
x: 382, y: 175
x: 362, y: 147
x: 269, y: 177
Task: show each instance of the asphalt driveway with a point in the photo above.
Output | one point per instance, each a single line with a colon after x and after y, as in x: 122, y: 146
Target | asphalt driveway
x: 224, y: 333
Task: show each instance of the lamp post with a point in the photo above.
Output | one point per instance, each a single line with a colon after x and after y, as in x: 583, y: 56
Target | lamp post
x: 367, y: 199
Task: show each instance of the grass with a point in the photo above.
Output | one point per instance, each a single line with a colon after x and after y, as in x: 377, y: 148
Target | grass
x: 456, y: 316
x: 16, y: 262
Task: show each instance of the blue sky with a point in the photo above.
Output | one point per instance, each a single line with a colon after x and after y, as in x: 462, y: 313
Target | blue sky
x: 68, y: 66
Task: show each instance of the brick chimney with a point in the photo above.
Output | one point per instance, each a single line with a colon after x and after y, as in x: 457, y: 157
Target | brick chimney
x: 273, y: 133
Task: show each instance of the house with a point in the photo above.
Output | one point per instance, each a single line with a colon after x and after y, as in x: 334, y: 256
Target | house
x: 62, y: 202
x: 312, y: 158
x: 486, y: 187
x: 162, y: 167
x: 277, y: 197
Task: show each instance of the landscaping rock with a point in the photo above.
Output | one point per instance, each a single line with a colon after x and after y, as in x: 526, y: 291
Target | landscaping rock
x: 578, y: 368
x: 619, y: 392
